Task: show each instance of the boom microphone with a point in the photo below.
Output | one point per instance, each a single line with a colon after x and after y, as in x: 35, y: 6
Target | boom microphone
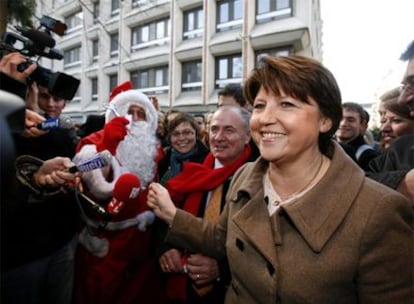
x: 40, y: 38
x: 99, y: 160
x: 126, y: 188
x: 63, y: 122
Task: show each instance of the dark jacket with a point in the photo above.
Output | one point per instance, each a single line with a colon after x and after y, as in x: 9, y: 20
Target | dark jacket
x: 164, y: 163
x: 348, y: 240
x: 392, y: 165
x: 365, y: 157
x: 34, y: 226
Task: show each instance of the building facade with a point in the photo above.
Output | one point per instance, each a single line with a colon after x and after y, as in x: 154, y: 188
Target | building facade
x: 183, y: 51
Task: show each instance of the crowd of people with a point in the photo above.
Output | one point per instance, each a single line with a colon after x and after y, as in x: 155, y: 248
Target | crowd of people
x: 279, y: 195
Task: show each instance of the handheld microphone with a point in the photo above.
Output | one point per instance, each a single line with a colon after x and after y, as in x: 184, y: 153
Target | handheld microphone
x: 99, y: 160
x: 126, y: 188
x: 55, y: 123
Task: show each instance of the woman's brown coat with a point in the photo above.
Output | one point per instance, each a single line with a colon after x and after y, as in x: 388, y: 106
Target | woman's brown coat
x: 348, y: 240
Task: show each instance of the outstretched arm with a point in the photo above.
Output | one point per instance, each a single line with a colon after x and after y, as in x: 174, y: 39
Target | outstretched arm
x: 160, y: 201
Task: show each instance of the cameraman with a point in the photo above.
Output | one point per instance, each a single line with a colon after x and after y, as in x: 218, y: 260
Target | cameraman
x: 39, y: 222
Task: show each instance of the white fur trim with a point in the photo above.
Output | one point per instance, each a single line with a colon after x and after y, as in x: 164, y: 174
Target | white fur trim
x: 123, y: 100
x: 84, y: 154
x: 96, y: 246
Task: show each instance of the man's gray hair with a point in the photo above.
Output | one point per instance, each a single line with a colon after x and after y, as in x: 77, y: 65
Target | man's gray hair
x: 242, y: 112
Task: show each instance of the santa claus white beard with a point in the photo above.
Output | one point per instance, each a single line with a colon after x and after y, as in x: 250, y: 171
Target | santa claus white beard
x: 138, y: 150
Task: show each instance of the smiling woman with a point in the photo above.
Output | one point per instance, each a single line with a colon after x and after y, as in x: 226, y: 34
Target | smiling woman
x: 185, y: 145
x: 303, y: 213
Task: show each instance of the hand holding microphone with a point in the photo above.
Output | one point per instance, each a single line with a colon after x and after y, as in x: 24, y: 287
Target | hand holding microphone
x: 31, y: 120
x: 37, y: 125
x: 62, y: 122
x: 54, y: 173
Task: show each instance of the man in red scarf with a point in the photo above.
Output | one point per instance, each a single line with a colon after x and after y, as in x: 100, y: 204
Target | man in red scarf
x: 201, y: 189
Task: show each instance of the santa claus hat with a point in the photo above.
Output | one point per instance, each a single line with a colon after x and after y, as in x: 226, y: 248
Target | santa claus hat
x: 125, y: 86
x: 124, y: 99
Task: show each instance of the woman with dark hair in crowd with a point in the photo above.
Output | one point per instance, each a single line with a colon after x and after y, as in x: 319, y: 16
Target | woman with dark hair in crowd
x: 396, y: 120
x: 185, y: 145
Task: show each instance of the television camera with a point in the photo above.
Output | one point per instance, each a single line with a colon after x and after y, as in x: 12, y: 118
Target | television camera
x: 39, y: 42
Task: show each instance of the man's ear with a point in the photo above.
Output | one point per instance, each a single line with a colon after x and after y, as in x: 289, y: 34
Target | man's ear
x: 248, y: 137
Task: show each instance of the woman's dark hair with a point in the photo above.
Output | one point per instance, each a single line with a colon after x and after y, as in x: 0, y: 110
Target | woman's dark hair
x: 302, y: 78
x: 180, y: 118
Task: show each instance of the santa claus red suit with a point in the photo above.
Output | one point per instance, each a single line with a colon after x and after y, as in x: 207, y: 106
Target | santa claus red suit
x: 115, y: 259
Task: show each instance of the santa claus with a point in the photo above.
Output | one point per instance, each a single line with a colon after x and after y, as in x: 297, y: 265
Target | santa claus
x: 115, y: 261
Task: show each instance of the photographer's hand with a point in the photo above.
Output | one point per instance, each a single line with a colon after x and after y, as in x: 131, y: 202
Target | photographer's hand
x: 54, y: 173
x: 9, y: 63
x: 31, y: 121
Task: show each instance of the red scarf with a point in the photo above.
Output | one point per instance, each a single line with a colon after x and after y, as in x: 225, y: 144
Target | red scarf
x: 189, y: 185
x: 195, y: 179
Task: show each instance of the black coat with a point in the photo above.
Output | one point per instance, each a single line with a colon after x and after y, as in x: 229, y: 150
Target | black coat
x: 393, y: 164
x: 34, y: 226
x: 366, y: 156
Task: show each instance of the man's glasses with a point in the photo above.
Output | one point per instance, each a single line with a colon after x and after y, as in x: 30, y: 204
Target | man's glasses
x: 185, y: 133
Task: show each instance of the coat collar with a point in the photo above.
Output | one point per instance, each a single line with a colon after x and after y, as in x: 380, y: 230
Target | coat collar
x: 316, y: 215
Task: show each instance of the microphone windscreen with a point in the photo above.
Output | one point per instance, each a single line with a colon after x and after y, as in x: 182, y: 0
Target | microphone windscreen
x: 40, y: 38
x: 126, y: 187
x: 66, y: 122
x: 106, y: 157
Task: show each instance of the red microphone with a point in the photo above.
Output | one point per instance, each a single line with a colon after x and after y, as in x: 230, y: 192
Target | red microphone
x: 127, y: 188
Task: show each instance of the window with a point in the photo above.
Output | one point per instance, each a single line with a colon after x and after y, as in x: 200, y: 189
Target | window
x: 115, y: 7
x: 95, y: 12
x: 283, y: 51
x: 191, y: 75
x: 151, y: 81
x: 95, y: 50
x: 151, y: 34
x: 193, y: 23
x: 229, y: 69
x: 114, y: 45
x: 229, y: 15
x: 74, y: 21
x: 113, y: 81
x: 71, y: 56
x: 94, y: 85
x: 268, y: 10
x: 140, y: 2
